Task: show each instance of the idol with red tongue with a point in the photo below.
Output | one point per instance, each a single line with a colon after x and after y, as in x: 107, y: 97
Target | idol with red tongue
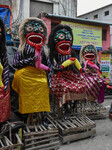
x: 30, y: 79
x: 34, y: 32
x: 67, y: 82
x: 95, y: 84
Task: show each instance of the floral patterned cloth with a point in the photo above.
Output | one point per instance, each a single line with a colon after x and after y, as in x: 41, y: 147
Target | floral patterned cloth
x: 68, y: 86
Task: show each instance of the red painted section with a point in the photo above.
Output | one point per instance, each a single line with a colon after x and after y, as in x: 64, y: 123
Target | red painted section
x: 48, y: 24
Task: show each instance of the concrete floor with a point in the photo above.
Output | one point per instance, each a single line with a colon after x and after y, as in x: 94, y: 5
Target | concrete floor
x: 103, y: 138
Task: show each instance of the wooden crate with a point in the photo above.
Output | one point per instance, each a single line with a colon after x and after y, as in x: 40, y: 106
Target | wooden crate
x: 39, y: 137
x: 6, y: 144
x: 94, y: 110
x: 75, y: 128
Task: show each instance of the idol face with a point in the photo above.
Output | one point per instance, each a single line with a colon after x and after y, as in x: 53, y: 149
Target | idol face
x: 63, y: 41
x: 34, y: 33
x: 89, y: 52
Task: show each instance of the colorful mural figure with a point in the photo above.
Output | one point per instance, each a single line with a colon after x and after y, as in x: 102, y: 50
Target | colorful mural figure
x: 5, y: 109
x: 30, y: 79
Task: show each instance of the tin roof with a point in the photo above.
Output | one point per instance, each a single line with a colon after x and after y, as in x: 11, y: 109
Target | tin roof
x: 79, y: 20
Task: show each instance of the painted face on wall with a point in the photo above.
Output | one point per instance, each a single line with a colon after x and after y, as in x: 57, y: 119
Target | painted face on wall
x: 34, y: 33
x: 63, y: 40
x: 89, y: 52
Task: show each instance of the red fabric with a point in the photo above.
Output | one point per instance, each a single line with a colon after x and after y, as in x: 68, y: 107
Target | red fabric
x: 5, y: 107
x: 68, y: 86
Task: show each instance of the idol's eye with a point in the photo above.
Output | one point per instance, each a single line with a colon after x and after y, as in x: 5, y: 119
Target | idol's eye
x: 41, y: 29
x: 60, y: 36
x: 70, y: 37
x: 29, y: 28
x: 86, y: 50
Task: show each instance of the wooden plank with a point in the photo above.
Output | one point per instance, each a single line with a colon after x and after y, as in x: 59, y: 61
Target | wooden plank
x: 76, y: 122
x: 8, y: 141
x: 42, y: 141
x: 55, y: 147
x: 1, y: 143
x: 59, y: 126
x: 18, y: 138
x: 72, y: 125
x: 35, y: 128
x: 78, y: 136
x: 5, y: 148
x: 78, y: 129
x: 44, y: 146
x: 43, y: 127
x: 27, y: 128
x: 63, y: 124
x: 40, y: 128
x: 41, y: 137
x: 41, y: 132
x: 51, y: 122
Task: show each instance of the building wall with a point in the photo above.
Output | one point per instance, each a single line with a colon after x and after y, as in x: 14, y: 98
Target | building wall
x: 101, y: 17
x: 101, y: 14
x: 37, y: 7
x: 107, y: 43
x: 4, y: 2
x: 22, y: 9
x: 58, y: 7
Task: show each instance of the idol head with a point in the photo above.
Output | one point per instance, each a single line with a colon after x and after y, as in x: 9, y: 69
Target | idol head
x: 88, y: 52
x: 32, y: 31
x: 61, y: 39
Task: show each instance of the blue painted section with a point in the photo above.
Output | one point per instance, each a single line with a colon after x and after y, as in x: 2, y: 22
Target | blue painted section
x: 78, y: 47
x: 5, y: 16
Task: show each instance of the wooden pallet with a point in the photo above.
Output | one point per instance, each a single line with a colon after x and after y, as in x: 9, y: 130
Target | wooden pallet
x: 75, y: 128
x: 6, y: 144
x: 40, y: 137
x: 94, y: 110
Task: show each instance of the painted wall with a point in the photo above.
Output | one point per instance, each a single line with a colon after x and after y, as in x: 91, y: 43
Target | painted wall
x: 107, y: 43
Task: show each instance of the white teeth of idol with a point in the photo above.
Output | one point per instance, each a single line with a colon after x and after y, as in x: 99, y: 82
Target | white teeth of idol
x: 63, y: 50
x: 64, y: 44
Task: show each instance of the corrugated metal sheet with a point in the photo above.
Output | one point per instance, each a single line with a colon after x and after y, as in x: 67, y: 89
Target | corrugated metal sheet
x: 76, y: 19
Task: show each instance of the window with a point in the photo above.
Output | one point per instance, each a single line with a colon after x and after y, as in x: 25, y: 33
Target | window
x: 96, y: 16
x: 104, y: 34
x: 106, y: 13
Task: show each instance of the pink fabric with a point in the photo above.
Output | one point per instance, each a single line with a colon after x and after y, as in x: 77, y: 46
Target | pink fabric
x: 38, y: 60
x: 91, y: 64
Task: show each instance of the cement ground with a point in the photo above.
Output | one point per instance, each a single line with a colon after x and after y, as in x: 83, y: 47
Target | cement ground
x: 103, y: 138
